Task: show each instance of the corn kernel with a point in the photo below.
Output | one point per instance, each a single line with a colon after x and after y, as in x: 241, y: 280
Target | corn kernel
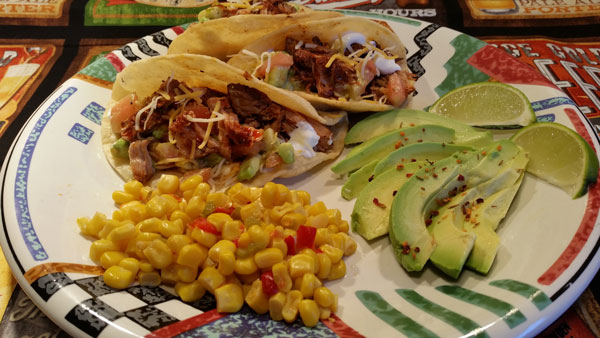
x: 202, y: 190
x: 110, y: 258
x: 133, y: 187
x: 323, y: 296
x: 130, y: 264
x: 157, y: 207
x: 158, y: 254
x: 317, y: 208
x: 211, y: 279
x: 349, y: 244
x: 180, y: 215
x: 218, y: 219
x: 338, y: 270
x: 325, y: 313
x: 209, y: 263
x: 168, y: 228
x: 290, y: 309
x: 309, y: 312
x: 145, y: 193
x: 118, y: 277
x: 169, y: 275
x: 274, y: 194
x: 301, y: 264
x: 309, y: 282
x: 135, y: 211
x: 190, y: 183
x: 244, y: 240
x: 259, y: 236
x: 219, y: 247
x: 122, y: 197
x: 195, y: 207
x: 279, y: 244
x: 176, y: 242
x: 249, y: 278
x: 335, y: 254
x: 293, y: 220
x: 232, y: 230
x: 149, y: 278
x: 186, y: 274
x: 124, y: 232
x: 189, y: 292
x: 282, y: 277
x: 276, y: 304
x: 229, y: 298
x: 192, y: 255
x: 245, y: 266
x: 219, y: 199
x: 168, y: 184
x: 317, y: 221
x: 322, y: 237
x: 240, y: 194
x: 343, y: 227
x: 109, y: 226
x: 276, y: 213
x: 257, y: 299
x: 95, y: 224
x: 205, y: 238
x: 99, y: 247
x: 324, y: 265
x: 334, y: 216
x: 226, y: 261
x: 150, y: 225
x: 251, y: 213
x: 145, y: 266
x: 334, y: 306
x: 338, y: 241
x: 266, y: 258
x: 312, y: 254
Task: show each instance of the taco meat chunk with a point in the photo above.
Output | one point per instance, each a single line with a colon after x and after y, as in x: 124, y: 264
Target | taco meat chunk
x: 228, y: 9
x: 195, y: 128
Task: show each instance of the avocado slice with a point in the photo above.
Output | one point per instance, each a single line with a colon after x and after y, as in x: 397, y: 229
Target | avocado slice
x: 370, y: 216
x: 384, y: 122
x: 358, y: 180
x: 423, y: 194
x: 379, y: 147
x: 408, y: 233
x: 426, y: 151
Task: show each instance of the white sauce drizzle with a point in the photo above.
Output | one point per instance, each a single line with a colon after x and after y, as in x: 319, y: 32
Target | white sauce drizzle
x: 303, y: 139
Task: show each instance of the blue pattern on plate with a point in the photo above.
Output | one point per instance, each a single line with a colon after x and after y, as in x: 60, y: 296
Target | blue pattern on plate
x: 551, y: 103
x: 22, y: 176
x: 546, y: 118
x: 93, y: 112
x: 246, y: 323
x: 81, y: 133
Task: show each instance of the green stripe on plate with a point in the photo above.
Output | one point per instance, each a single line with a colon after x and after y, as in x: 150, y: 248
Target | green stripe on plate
x: 510, y: 314
x: 535, y: 295
x: 459, y: 322
x: 396, y: 319
x: 379, y: 16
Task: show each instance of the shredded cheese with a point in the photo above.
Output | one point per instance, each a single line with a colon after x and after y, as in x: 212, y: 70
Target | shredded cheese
x: 193, y: 149
x: 210, y: 124
x: 151, y: 106
x: 247, y: 52
x: 171, y: 160
x: 341, y: 58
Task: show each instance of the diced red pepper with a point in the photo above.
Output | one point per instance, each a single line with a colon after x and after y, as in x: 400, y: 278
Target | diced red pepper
x: 236, y: 242
x: 227, y: 211
x: 291, y: 245
x: 203, y: 224
x: 268, y: 283
x: 305, y: 237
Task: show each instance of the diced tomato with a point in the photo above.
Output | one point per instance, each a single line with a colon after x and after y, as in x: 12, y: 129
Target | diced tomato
x: 305, y: 237
x: 395, y: 90
x: 291, y: 245
x: 268, y: 283
x: 121, y: 111
x: 227, y: 211
x: 203, y: 224
x: 277, y: 60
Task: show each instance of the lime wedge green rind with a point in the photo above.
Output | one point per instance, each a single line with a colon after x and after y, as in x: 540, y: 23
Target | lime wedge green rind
x: 461, y: 323
x: 510, y: 314
x: 559, y: 156
x: 533, y: 294
x: 459, y: 72
x: 396, y: 319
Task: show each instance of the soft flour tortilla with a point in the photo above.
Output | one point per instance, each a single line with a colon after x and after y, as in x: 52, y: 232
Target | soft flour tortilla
x: 327, y: 31
x: 224, y: 37
x: 144, y: 77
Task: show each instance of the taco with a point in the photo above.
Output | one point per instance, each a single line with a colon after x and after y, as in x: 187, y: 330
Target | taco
x: 347, y: 63
x: 225, y: 27
x: 183, y: 113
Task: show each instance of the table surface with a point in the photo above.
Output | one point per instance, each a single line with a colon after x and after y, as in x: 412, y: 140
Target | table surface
x: 558, y: 37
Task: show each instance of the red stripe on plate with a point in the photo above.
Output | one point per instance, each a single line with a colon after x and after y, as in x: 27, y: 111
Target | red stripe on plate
x: 505, y: 68
x: 340, y: 328
x: 177, y: 29
x: 186, y: 325
x: 587, y: 223
x: 115, y: 61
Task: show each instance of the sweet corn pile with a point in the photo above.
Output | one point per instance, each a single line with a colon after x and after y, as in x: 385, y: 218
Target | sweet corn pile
x: 266, y: 246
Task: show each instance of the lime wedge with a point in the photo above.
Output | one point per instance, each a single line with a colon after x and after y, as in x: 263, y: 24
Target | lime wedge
x: 559, y: 156
x: 487, y: 105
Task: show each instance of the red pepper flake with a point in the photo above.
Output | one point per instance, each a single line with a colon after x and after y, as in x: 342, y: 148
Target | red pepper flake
x: 501, y: 161
x: 423, y: 130
x: 291, y: 245
x: 406, y: 139
x: 405, y: 248
x: 305, y: 237
x: 402, y: 133
x: 419, y: 141
x: 413, y: 160
x: 483, y: 153
x: 444, y: 169
x: 202, y: 224
x: 434, y: 213
x: 423, y: 188
x: 443, y: 144
x: 434, y: 175
x: 394, y: 192
x: 227, y: 211
x: 461, y: 177
x: 499, y: 147
x: 377, y: 203
x: 417, y: 249
x: 426, y: 170
x: 463, y: 188
x: 453, y: 192
x: 371, y: 178
x: 479, y: 200
x: 400, y: 166
x: 268, y: 283
x: 412, y: 124
x: 428, y: 221
x: 398, y: 144
x: 409, y: 175
x: 458, y: 160
x: 419, y: 178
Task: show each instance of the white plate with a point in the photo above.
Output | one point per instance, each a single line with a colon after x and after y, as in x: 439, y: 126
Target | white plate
x: 56, y: 172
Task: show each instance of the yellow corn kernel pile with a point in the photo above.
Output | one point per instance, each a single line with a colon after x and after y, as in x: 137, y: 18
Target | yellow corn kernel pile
x: 233, y: 244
